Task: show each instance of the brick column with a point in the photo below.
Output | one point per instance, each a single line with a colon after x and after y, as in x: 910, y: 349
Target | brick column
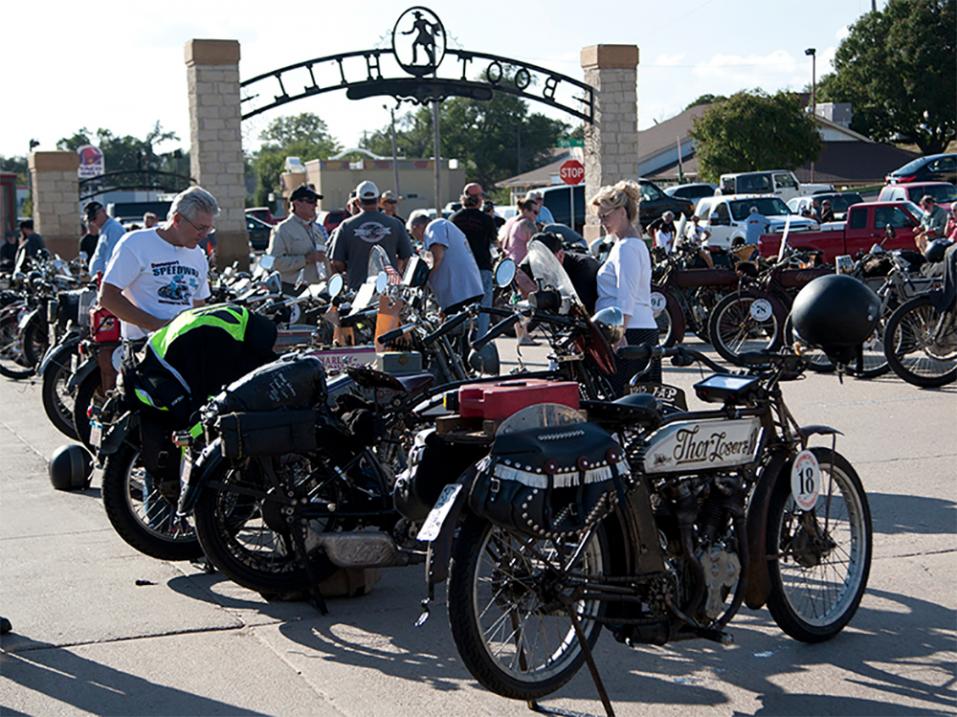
x: 56, y: 197
x: 611, y: 142
x: 216, y: 151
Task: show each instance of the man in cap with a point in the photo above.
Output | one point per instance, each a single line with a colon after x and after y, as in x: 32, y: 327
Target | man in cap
x: 110, y: 232
x: 932, y: 224
x: 480, y: 231
x: 299, y: 243
x: 389, y: 204
x: 356, y: 236
x: 544, y: 213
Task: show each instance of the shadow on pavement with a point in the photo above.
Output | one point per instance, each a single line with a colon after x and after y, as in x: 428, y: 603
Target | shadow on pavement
x: 98, y: 689
x: 896, y: 513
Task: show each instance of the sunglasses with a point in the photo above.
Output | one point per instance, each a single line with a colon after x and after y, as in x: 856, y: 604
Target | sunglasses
x: 605, y: 215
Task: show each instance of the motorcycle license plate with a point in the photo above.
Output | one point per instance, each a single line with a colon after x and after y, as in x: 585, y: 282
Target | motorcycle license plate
x: 433, y: 523
x: 96, y: 433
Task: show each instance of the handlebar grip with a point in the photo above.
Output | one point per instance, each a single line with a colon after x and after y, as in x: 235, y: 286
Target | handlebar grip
x: 456, y: 321
x: 493, y: 333
x: 496, y: 311
x: 634, y: 353
x: 389, y: 336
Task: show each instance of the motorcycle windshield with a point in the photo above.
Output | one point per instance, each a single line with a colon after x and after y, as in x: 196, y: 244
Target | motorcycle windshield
x: 545, y: 266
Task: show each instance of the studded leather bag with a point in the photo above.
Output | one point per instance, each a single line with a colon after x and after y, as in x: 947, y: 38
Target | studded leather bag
x: 550, y: 482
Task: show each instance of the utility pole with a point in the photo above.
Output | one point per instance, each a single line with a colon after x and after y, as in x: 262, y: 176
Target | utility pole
x: 813, y: 53
x: 395, y: 155
x: 437, y: 144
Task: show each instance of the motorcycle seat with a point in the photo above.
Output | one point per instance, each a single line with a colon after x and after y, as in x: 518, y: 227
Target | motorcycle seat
x: 639, y: 409
x: 416, y: 382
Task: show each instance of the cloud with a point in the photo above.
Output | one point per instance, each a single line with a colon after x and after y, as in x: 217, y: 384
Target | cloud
x: 666, y: 60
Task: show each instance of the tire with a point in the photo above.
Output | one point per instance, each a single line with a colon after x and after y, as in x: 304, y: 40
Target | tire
x: 57, y: 402
x: 13, y: 365
x: 734, y: 331
x: 225, y: 523
x: 36, y: 341
x: 909, y: 348
x: 513, y: 677
x: 87, y: 393
x: 123, y: 492
x: 671, y: 322
x: 848, y: 517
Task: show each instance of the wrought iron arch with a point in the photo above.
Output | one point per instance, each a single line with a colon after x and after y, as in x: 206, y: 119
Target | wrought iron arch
x: 389, y: 72
x: 139, y: 179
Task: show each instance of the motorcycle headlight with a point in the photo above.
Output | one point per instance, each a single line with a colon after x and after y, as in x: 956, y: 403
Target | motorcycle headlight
x: 611, y: 323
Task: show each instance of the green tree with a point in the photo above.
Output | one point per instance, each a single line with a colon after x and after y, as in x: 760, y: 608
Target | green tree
x: 896, y: 68
x: 17, y: 165
x: 754, y: 130
x: 304, y: 135
x: 127, y: 153
x: 495, y: 139
x: 706, y: 99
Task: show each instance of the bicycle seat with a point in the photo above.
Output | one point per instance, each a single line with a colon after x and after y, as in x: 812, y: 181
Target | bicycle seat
x: 634, y: 409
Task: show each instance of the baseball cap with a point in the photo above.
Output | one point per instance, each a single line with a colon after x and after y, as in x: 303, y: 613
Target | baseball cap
x: 389, y: 196
x: 537, y: 196
x: 304, y: 191
x: 91, y: 209
x: 367, y: 191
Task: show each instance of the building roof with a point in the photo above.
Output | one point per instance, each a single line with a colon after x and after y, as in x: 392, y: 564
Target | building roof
x: 542, y: 176
x: 663, y: 135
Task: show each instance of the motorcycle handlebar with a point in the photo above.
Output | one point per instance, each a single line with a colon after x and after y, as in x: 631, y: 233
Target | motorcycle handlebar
x: 389, y: 336
x: 493, y: 333
x: 450, y: 324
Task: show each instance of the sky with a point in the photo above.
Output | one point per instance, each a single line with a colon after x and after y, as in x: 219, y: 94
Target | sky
x: 121, y: 67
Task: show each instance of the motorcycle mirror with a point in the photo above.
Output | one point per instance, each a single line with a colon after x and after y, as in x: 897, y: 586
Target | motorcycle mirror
x: 505, y: 273
x: 381, y: 281
x: 889, y: 233
x: 274, y: 283
x: 267, y: 262
x: 84, y: 257
x: 335, y: 285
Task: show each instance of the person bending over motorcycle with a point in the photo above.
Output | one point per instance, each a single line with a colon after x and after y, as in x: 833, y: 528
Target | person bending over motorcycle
x: 582, y: 270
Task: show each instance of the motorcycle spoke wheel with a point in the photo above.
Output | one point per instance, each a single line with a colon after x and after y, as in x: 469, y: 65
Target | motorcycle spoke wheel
x: 820, y: 559
x: 734, y: 331
x: 141, y: 515
x: 12, y: 362
x: 57, y: 398
x: 912, y: 348
x: 507, y: 611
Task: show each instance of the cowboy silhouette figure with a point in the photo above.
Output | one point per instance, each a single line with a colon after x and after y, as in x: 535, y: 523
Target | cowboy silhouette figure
x: 426, y: 38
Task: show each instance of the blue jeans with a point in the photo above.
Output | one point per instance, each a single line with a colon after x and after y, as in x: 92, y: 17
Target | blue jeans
x: 482, y: 322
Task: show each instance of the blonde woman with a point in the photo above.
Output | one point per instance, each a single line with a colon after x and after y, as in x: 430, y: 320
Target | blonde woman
x: 624, y: 280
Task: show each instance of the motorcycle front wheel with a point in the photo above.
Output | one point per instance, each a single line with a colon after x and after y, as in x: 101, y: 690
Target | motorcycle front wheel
x: 819, y: 560
x: 508, y: 620
x: 913, y: 348
x: 13, y: 365
x: 57, y: 400
x: 88, y: 393
x: 141, y: 514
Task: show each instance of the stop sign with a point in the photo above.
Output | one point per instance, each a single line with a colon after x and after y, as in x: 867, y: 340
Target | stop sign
x: 572, y: 172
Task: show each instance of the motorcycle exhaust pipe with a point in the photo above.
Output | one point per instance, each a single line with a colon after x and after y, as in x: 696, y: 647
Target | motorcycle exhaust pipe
x: 361, y: 550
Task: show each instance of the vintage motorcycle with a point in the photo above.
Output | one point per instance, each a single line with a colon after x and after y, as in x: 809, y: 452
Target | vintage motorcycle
x: 656, y: 526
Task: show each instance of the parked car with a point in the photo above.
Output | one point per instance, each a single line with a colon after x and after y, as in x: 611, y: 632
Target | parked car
x: 259, y: 232
x: 692, y: 192
x: 840, y: 201
x: 654, y: 203
x: 333, y: 218
x: 558, y: 200
x: 944, y: 193
x: 263, y: 214
x: 779, y: 182
x: 725, y: 216
x: 932, y: 168
x: 866, y: 225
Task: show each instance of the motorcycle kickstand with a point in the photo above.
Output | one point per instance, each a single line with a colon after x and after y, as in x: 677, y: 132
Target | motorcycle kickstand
x: 299, y: 541
x: 590, y: 661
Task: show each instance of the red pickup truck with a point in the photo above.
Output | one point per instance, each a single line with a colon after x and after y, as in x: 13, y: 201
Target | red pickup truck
x: 866, y: 225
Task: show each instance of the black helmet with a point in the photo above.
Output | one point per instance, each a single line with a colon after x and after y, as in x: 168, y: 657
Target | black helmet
x: 70, y: 467
x: 836, y: 313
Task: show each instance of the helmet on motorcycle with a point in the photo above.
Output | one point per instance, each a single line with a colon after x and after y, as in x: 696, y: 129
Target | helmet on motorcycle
x: 836, y: 313
x: 611, y: 323
x: 70, y: 467
x: 936, y: 249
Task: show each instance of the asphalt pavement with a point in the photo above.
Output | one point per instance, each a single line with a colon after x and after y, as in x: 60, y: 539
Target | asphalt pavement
x: 101, y: 629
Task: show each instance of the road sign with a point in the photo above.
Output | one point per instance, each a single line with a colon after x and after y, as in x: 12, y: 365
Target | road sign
x: 572, y: 172
x: 570, y: 142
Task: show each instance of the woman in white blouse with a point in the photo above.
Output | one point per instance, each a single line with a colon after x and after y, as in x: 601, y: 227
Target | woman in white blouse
x: 624, y: 280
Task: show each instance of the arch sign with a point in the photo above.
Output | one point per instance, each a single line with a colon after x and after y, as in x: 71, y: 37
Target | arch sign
x: 418, y: 67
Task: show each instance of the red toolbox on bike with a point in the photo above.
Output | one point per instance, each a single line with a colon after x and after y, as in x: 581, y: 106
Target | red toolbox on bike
x: 497, y: 401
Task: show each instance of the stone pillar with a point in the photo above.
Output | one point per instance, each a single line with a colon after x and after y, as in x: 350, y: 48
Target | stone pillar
x: 611, y: 142
x: 216, y: 151
x: 56, y: 200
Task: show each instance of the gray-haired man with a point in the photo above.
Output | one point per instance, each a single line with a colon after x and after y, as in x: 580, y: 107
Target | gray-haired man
x: 153, y: 274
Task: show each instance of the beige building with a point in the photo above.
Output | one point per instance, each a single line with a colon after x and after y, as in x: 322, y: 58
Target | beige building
x: 334, y: 179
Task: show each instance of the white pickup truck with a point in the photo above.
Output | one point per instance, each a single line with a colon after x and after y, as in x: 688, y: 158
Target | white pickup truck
x: 726, y: 216
x: 780, y: 182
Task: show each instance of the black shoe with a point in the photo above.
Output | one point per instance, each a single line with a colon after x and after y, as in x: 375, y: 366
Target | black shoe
x: 5, y: 626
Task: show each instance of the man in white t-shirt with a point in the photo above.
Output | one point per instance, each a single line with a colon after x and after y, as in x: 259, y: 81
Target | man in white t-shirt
x: 153, y: 274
